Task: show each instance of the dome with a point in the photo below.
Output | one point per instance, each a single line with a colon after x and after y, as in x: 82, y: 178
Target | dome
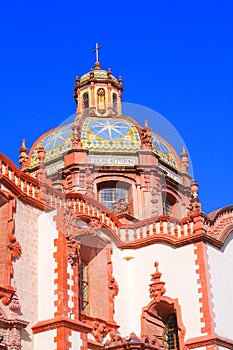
x: 100, y: 135
x: 97, y: 74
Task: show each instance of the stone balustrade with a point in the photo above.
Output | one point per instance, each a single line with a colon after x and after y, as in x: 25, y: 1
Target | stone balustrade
x: 163, y: 227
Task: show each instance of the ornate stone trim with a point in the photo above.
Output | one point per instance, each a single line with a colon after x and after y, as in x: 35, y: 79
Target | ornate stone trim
x: 157, y: 288
x: 13, y: 252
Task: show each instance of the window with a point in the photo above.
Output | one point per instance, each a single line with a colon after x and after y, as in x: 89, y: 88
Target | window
x: 114, y: 102
x: 168, y: 204
x: 170, y: 334
x: 167, y: 208
x: 85, y: 101
x: 101, y: 99
x: 110, y: 195
x: 84, y: 288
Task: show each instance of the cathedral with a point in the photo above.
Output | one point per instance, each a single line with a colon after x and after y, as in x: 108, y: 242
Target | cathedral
x: 103, y: 240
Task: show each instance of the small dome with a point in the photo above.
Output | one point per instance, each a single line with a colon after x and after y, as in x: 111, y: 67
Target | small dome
x: 98, y: 74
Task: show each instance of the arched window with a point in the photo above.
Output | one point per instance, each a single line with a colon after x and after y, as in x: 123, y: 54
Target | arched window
x: 116, y: 196
x: 114, y: 102
x: 85, y: 101
x: 84, y: 287
x: 101, y: 99
x: 168, y: 204
x: 160, y: 320
x: 170, y: 333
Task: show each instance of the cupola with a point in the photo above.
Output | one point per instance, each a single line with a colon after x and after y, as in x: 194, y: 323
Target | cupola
x: 98, y: 92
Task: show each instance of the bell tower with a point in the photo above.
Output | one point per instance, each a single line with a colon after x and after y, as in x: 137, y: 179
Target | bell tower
x: 98, y: 92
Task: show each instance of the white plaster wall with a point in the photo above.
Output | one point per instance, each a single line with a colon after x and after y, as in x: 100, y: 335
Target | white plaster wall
x: 76, y: 341
x: 221, y: 267
x: 45, y: 340
x: 134, y: 276
x: 46, y: 266
x: 25, y: 279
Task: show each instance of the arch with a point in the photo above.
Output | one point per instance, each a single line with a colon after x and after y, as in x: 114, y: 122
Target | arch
x: 101, y: 100
x: 226, y: 236
x: 85, y: 101
x: 156, y: 319
x: 114, y: 103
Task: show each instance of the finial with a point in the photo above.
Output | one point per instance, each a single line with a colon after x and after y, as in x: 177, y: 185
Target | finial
x: 41, y: 153
x: 184, y: 160
x: 120, y: 80
x: 41, y: 172
x: 109, y: 73
x: 194, y: 189
x: 145, y: 123
x: 23, y: 157
x: 157, y: 288
x: 76, y: 135
x: 146, y: 136
x: 96, y: 50
x: 195, y: 205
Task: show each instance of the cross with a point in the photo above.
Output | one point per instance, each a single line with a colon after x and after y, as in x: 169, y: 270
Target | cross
x: 96, y: 51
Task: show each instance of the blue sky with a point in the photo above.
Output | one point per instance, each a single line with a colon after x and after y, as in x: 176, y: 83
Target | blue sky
x: 176, y: 57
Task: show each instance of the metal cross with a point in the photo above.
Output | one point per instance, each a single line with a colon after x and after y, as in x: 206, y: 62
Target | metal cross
x: 96, y: 50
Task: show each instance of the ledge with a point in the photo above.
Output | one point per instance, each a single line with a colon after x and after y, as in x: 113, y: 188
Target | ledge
x: 58, y: 322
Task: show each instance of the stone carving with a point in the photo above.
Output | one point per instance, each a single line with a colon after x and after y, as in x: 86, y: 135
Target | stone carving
x: 194, y: 205
x: 14, y: 304
x: 67, y: 224
x: 151, y: 341
x: 94, y: 225
x: 73, y: 252
x: 120, y: 207
x: 154, y: 201
x: 113, y: 287
x: 89, y: 183
x: 146, y: 137
x: 157, y: 288
x: 100, y: 330
x: 10, y: 329
x: 76, y: 135
x: 132, y: 342
x: 14, y: 247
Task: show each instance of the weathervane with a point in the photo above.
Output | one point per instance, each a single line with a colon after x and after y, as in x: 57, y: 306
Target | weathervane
x: 96, y: 50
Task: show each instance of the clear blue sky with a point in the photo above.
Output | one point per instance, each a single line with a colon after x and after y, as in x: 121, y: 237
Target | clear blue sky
x: 175, y: 57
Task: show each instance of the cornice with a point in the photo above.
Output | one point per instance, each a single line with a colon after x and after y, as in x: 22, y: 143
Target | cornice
x: 60, y: 321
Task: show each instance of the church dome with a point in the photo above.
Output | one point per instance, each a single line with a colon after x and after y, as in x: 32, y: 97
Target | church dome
x: 102, y: 129
x: 99, y: 135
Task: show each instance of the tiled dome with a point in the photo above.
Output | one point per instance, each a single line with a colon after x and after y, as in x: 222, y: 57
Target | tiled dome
x: 100, y: 135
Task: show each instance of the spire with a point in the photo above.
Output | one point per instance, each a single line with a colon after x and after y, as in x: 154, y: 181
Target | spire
x: 184, y: 160
x: 96, y: 50
x: 23, y: 157
x: 41, y: 172
x: 195, y: 205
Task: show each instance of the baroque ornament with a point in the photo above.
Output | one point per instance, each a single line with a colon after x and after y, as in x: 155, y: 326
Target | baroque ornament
x: 67, y: 224
x: 73, y: 252
x: 157, y: 288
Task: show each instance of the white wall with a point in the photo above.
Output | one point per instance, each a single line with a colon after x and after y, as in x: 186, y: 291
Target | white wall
x: 134, y: 276
x: 221, y: 272
x: 45, y: 340
x: 46, y: 266
x: 76, y: 341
